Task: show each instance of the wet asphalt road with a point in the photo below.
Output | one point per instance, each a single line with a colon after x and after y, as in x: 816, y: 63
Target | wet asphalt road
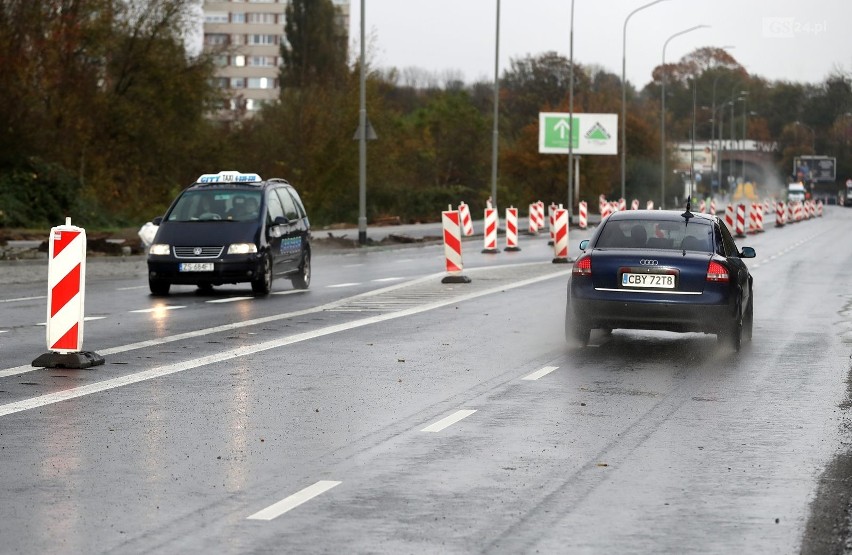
x: 384, y: 412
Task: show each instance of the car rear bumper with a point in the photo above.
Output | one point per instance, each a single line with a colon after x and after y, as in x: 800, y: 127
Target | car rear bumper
x: 240, y: 270
x: 710, y: 312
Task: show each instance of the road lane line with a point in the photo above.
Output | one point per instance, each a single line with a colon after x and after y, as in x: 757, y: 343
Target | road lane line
x: 229, y: 300
x: 540, y: 373
x: 86, y: 319
x: 20, y: 299
x: 290, y: 503
x: 342, y: 285
x: 290, y: 292
x: 313, y: 310
x: 132, y: 288
x: 385, y: 280
x: 446, y: 422
x: 156, y: 309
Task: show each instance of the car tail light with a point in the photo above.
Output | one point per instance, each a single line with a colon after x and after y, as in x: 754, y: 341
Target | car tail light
x: 583, y: 266
x: 717, y: 272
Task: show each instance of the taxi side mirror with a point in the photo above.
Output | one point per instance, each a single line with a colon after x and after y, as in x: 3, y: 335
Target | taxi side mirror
x: 281, y: 220
x: 157, y: 221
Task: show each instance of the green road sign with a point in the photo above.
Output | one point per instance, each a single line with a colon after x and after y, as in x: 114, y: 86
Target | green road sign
x: 590, y: 134
x: 558, y: 131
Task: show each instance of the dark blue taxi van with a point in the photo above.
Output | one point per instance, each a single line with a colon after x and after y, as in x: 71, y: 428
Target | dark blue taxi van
x: 230, y: 228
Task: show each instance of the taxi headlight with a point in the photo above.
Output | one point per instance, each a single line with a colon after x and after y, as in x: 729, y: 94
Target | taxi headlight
x: 242, y: 248
x: 159, y: 249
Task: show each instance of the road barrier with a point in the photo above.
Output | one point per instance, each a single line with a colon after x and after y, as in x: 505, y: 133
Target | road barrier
x: 634, y: 205
x: 466, y: 221
x: 560, y: 243
x: 512, y: 229
x: 741, y: 221
x: 729, y: 216
x: 622, y: 204
x: 780, y: 214
x: 702, y: 207
x: 819, y: 208
x: 66, y: 292
x: 712, y: 207
x: 533, y: 219
x: 452, y: 247
x: 490, y: 242
x: 551, y: 210
x: 584, y: 214
x: 649, y: 205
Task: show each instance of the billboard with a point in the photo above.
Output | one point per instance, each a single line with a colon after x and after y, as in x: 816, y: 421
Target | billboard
x: 590, y: 134
x: 815, y: 169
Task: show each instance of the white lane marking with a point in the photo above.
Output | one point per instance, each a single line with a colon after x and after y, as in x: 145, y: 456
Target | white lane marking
x: 20, y: 299
x: 448, y: 421
x: 228, y: 300
x: 540, y: 373
x: 322, y: 308
x: 132, y: 288
x: 4, y: 331
x: 384, y: 280
x: 353, y: 265
x: 290, y: 292
x: 343, y: 285
x: 156, y: 309
x: 85, y: 319
x: 290, y: 503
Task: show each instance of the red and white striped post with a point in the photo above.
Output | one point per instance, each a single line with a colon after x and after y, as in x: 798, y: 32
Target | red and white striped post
x: 466, y: 221
x: 634, y: 205
x: 741, y: 220
x: 758, y: 218
x: 712, y: 207
x: 729, y: 217
x: 560, y: 242
x: 490, y: 240
x: 752, y: 217
x: 452, y: 247
x: 512, y: 230
x: 606, y: 210
x: 551, y: 211
x: 702, y: 206
x: 584, y: 214
x: 819, y: 209
x: 66, y: 292
x: 622, y: 204
x: 649, y: 205
x: 540, y: 214
x: 533, y: 219
x: 780, y: 214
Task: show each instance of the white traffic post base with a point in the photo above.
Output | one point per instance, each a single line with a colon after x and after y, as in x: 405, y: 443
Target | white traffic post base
x: 453, y: 247
x: 66, y: 288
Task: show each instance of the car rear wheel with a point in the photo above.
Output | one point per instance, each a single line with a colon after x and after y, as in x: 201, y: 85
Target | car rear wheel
x: 263, y: 285
x: 733, y: 336
x: 159, y: 287
x: 302, y: 280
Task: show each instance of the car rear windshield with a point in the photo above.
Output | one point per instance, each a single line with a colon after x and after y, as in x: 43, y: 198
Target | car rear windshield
x: 657, y: 234
x: 220, y: 204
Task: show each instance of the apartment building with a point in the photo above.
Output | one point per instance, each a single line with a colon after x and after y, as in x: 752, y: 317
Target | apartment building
x: 247, y: 37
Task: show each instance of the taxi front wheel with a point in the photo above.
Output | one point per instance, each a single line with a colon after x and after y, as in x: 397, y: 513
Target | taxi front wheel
x: 263, y: 285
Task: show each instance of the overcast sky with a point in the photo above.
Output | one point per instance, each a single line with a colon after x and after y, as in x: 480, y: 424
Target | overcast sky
x: 793, y: 40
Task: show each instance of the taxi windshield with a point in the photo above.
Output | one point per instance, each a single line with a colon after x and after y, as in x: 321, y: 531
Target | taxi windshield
x: 229, y: 205
x: 656, y: 234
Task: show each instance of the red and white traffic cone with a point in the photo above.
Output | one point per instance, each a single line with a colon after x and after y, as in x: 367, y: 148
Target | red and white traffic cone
x: 560, y: 242
x: 741, y: 220
x: 66, y: 292
x: 466, y: 221
x: 450, y: 221
x: 512, y: 230
x: 780, y: 214
x: 490, y: 240
x: 584, y: 214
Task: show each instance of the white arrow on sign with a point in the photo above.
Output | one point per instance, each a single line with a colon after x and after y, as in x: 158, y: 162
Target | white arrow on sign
x: 561, y: 126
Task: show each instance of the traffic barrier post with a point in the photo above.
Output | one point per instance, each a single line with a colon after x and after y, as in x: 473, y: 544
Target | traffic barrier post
x: 780, y: 214
x: 490, y: 246
x: 634, y: 205
x: 452, y: 247
x: 466, y: 220
x: 560, y: 243
x: 584, y: 214
x: 533, y: 219
x: 741, y: 220
x: 66, y: 292
x: 512, y: 230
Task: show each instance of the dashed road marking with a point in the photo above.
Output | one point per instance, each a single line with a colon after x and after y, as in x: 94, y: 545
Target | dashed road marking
x: 448, y: 421
x: 157, y: 309
x: 229, y: 300
x: 540, y: 373
x: 21, y: 299
x: 340, y: 285
x: 387, y: 279
x: 132, y: 288
x: 293, y: 501
x: 86, y: 319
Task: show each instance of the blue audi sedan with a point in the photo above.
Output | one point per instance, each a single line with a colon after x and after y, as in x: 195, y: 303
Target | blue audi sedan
x: 661, y: 270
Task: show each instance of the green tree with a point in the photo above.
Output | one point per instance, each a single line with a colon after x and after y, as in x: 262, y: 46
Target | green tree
x: 315, y: 49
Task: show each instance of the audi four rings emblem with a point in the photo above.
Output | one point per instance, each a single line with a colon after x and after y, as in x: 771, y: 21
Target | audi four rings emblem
x: 648, y: 262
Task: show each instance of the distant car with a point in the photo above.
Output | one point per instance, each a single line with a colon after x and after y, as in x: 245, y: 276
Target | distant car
x: 796, y: 192
x: 232, y: 227
x: 661, y: 270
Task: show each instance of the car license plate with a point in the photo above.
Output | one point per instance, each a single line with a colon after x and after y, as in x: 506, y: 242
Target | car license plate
x: 196, y: 267
x: 648, y: 281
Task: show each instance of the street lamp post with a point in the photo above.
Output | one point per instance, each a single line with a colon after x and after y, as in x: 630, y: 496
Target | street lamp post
x: 362, y: 142
x: 496, y: 134
x: 624, y: 94
x: 571, y: 120
x: 663, y: 114
x: 744, y: 98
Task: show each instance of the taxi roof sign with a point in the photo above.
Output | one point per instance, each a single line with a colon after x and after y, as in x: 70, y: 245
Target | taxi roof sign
x: 229, y: 177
